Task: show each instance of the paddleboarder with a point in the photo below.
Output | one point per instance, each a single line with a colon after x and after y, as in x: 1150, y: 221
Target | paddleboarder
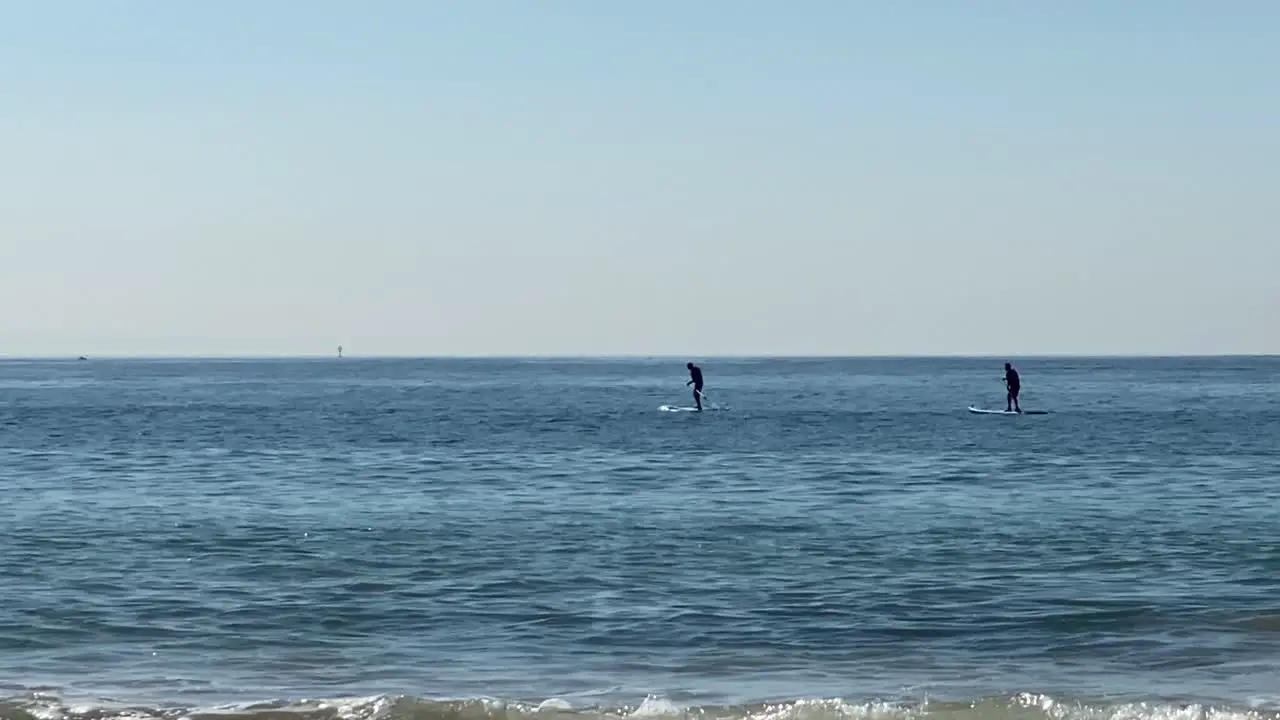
x: 1014, y: 383
x: 696, y: 373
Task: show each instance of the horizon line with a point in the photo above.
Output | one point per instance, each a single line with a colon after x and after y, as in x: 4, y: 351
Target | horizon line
x: 652, y: 356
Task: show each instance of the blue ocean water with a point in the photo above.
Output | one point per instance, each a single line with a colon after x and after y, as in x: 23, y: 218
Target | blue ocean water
x: 500, y: 538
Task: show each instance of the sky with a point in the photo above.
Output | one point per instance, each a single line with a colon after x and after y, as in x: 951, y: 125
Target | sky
x: 576, y: 177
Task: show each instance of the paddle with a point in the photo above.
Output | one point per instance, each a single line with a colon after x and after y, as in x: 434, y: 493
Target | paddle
x: 707, y: 400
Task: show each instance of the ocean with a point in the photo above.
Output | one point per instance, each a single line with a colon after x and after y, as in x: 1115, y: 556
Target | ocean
x: 508, y: 539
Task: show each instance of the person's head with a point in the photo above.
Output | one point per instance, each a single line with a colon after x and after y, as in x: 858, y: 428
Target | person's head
x: 1008, y: 366
x: 689, y: 365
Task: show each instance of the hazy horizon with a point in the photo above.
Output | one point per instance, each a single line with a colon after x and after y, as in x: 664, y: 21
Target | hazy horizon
x: 572, y: 179
x: 674, y: 358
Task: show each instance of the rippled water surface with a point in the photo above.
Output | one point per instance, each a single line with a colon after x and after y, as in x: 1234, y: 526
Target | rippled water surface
x: 190, y: 533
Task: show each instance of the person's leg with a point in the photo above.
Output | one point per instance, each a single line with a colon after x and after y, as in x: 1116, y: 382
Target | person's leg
x: 697, y: 397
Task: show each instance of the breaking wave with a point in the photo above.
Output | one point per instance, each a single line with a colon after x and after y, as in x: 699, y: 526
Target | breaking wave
x: 1025, y: 706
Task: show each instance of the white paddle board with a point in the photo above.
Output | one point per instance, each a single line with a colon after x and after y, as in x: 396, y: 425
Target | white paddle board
x: 676, y: 408
x: 981, y: 411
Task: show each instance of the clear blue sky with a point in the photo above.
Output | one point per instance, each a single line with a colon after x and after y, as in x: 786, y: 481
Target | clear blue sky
x: 693, y: 178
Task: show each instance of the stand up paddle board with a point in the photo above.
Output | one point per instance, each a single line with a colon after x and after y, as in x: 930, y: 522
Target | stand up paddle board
x: 981, y: 411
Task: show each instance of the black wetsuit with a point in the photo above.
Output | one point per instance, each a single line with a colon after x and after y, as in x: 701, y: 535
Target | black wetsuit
x: 1015, y: 384
x: 696, y: 373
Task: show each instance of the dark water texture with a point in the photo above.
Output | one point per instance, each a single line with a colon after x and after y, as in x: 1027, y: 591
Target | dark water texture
x: 178, y: 535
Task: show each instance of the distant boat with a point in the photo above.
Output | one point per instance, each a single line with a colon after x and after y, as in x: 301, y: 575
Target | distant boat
x: 82, y: 358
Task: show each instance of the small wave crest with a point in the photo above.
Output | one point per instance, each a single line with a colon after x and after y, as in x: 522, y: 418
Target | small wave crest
x: 1026, y: 706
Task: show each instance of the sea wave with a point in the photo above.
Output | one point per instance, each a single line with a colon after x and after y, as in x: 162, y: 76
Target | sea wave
x: 1024, y: 706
